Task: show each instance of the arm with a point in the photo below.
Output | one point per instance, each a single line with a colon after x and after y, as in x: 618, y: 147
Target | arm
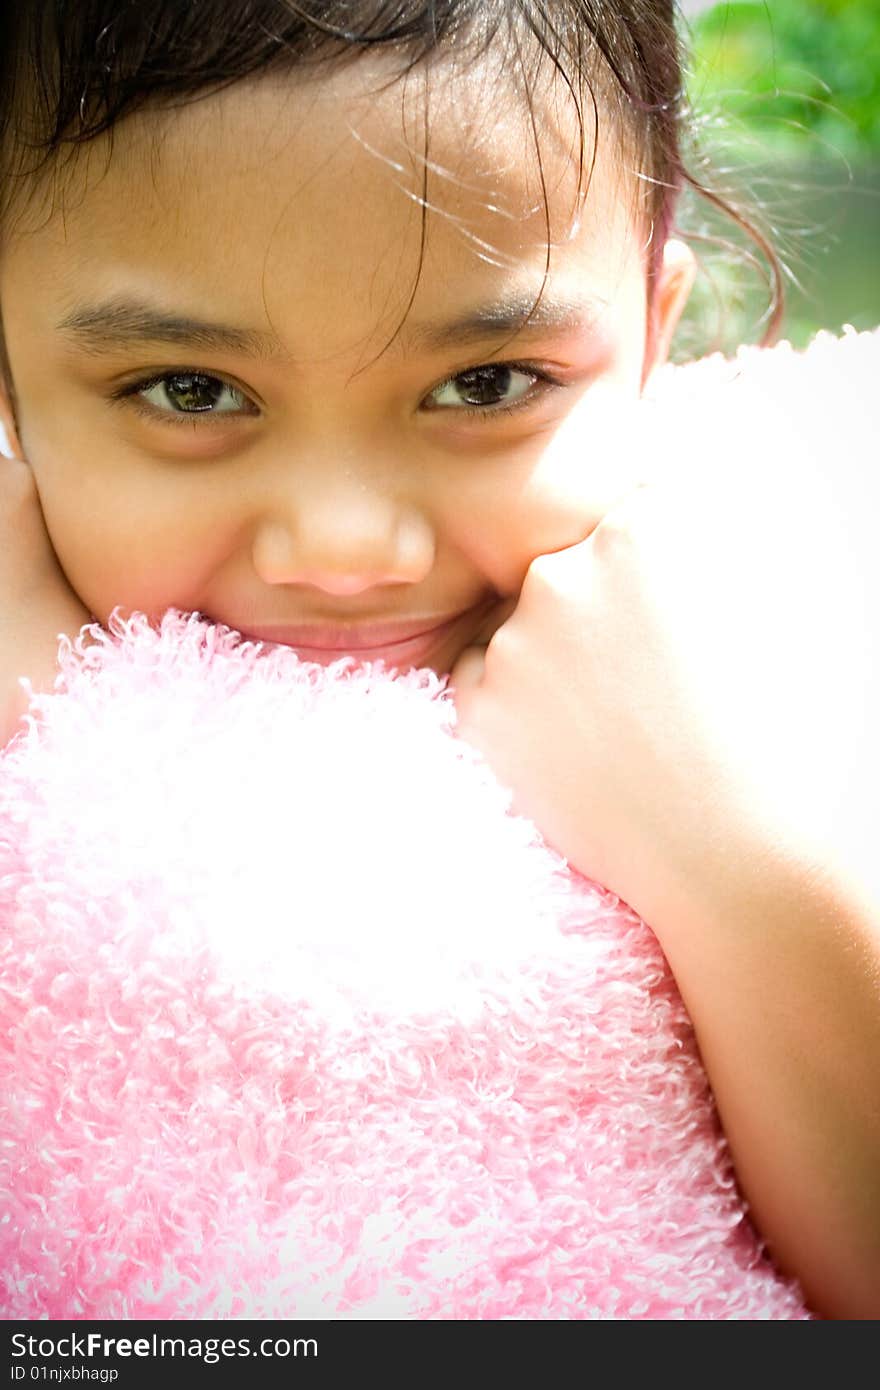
x: 713, y: 774
x: 687, y: 703
x: 782, y: 981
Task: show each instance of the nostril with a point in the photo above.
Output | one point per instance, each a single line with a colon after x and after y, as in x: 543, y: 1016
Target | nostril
x: 342, y: 585
x: 344, y: 550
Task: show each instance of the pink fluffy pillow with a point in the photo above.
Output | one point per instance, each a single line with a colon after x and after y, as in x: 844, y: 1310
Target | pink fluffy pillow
x: 299, y: 1021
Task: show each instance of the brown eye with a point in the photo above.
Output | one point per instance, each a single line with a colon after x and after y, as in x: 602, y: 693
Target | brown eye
x: 484, y: 388
x: 192, y: 393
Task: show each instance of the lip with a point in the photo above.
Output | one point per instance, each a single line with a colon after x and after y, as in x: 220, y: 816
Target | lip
x: 395, y: 643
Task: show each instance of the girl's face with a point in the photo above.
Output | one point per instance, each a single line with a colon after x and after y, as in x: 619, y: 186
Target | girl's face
x: 251, y: 380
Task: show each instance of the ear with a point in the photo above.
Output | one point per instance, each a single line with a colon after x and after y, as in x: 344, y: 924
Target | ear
x: 674, y: 282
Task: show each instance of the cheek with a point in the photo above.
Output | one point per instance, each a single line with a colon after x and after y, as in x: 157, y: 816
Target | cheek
x: 119, y: 538
x: 595, y: 458
x: 512, y: 510
x: 553, y: 493
x: 547, y: 516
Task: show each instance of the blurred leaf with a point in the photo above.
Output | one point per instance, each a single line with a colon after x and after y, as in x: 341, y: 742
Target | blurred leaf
x: 793, y: 70
x: 786, y: 100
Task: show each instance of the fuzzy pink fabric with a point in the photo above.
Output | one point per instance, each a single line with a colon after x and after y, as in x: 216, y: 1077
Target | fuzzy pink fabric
x: 297, y: 1020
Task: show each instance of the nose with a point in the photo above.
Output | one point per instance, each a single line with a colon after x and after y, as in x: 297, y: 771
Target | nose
x: 344, y: 535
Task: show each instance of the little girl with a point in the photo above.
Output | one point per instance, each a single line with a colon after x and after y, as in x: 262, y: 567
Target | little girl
x: 331, y: 322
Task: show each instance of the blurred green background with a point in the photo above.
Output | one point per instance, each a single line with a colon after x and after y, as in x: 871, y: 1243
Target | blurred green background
x: 787, y: 99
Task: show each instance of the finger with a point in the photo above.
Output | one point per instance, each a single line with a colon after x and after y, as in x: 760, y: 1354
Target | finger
x: 467, y: 672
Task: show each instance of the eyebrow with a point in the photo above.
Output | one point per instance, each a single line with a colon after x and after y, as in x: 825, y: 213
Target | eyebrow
x: 119, y: 323
x: 509, y: 317
x: 122, y: 323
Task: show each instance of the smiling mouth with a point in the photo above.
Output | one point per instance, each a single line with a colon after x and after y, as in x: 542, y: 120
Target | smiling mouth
x: 353, y: 639
x: 396, y: 643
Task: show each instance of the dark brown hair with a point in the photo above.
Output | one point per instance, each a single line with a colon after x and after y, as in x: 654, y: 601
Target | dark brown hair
x: 71, y: 69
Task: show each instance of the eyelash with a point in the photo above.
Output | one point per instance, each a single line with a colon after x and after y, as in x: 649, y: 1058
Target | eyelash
x: 129, y: 393
x: 543, y: 382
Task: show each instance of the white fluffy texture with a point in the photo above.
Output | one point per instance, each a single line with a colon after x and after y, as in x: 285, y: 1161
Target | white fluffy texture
x: 297, y: 1020
x: 820, y: 401
x: 314, y: 813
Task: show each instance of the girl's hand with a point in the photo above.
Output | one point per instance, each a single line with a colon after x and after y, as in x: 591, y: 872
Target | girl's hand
x: 694, y: 688
x: 37, y: 604
x: 687, y: 703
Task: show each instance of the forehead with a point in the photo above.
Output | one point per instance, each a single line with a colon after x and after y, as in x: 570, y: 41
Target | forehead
x: 292, y: 189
